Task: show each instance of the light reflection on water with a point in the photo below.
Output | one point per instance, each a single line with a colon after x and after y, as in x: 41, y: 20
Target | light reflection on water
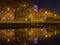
x: 28, y: 34
x: 40, y: 32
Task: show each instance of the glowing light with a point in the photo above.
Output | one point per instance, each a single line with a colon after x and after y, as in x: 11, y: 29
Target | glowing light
x: 41, y: 29
x: 24, y: 5
x: 35, y: 8
x: 46, y: 36
x: 35, y: 40
x: 8, y: 8
x: 46, y: 12
x: 8, y: 40
x: 55, y: 15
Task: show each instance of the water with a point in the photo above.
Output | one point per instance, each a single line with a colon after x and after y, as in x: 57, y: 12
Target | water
x: 30, y: 36
x: 35, y: 40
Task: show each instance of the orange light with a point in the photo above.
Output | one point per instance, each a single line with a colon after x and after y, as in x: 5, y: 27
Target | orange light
x: 8, y: 8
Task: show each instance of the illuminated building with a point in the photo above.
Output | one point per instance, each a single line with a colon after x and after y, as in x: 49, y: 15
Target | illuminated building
x: 8, y: 14
x: 23, y: 10
x: 47, y: 12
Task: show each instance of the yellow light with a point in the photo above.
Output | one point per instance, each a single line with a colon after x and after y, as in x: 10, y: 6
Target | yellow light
x: 31, y: 16
x: 46, y: 12
x: 55, y: 15
x: 26, y: 30
x: 55, y: 32
x: 46, y: 36
x: 24, y: 5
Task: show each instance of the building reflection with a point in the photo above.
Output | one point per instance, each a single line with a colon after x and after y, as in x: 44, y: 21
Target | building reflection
x: 7, y: 34
x: 27, y: 34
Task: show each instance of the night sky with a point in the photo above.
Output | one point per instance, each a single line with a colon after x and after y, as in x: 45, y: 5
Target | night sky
x: 49, y: 4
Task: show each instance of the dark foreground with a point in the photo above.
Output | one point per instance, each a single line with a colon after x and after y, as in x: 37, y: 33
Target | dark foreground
x: 51, y: 41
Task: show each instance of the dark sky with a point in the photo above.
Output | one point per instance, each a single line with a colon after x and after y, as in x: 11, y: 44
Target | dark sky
x: 49, y: 4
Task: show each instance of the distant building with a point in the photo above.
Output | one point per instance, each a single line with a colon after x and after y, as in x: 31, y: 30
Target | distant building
x: 42, y: 14
x: 8, y: 14
x: 47, y: 12
x: 23, y: 10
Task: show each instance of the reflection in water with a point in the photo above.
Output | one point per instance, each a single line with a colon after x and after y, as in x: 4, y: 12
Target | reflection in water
x: 35, y: 40
x: 55, y: 32
x: 7, y: 34
x: 26, y: 35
